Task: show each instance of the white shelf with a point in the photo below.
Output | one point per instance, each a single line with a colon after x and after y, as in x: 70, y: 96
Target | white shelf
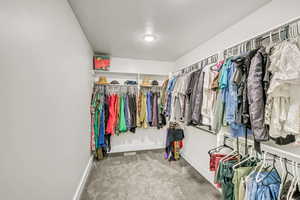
x: 290, y: 151
x: 130, y: 75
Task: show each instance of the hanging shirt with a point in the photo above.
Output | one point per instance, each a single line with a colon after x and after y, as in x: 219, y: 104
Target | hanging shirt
x: 155, y: 111
x: 102, y: 129
x: 230, y: 94
x: 266, y: 189
x: 143, y: 111
x: 117, y: 121
x: 209, y: 97
x: 224, y: 176
x: 133, y: 112
x: 170, y: 87
x: 127, y: 111
x: 239, y: 174
x: 149, y: 107
x: 112, y: 115
x: 283, y: 110
x: 122, y: 123
x: 197, y: 98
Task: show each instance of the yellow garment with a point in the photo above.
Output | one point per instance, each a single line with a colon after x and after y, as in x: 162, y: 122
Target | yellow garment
x: 138, y: 122
x: 143, y: 114
x: 242, y: 189
x: 239, y: 173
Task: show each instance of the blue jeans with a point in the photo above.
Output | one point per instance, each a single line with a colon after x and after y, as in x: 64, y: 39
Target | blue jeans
x: 267, y: 189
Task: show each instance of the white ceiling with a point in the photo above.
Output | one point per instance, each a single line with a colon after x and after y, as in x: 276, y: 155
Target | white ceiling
x: 117, y: 27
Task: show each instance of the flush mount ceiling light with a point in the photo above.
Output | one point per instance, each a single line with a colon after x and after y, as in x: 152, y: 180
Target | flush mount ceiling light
x: 149, y: 38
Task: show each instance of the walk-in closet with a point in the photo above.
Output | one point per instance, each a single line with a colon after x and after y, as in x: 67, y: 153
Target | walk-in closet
x: 150, y: 100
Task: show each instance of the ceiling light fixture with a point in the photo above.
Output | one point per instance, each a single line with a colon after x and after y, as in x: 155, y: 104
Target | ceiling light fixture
x: 149, y: 38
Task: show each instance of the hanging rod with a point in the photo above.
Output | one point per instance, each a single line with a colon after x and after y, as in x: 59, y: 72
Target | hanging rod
x: 120, y: 85
x: 204, y: 62
x: 150, y: 86
x: 289, y: 29
x: 276, y: 156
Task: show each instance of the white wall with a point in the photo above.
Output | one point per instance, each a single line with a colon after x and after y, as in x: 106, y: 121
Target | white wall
x: 142, y: 66
x: 271, y: 15
x: 275, y: 13
x: 44, y: 100
x: 143, y: 139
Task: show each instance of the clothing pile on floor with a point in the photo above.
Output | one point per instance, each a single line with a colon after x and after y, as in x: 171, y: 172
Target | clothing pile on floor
x: 174, y: 142
x: 255, y: 93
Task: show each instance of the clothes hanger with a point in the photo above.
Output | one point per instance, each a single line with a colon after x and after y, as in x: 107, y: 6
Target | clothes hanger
x: 261, y: 168
x: 244, y: 47
x: 217, y: 149
x: 292, y: 182
x: 272, y: 42
x: 255, y: 169
x: 284, y: 173
x: 245, y: 160
x: 291, y: 31
x: 229, y: 156
x: 298, y: 171
x: 286, y: 168
x: 266, y: 166
x: 254, y: 44
x: 294, y: 33
x: 296, y: 180
x: 298, y: 176
x: 295, y: 30
x: 291, y: 189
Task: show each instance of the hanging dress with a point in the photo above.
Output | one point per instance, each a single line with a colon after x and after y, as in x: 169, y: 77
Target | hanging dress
x: 122, y: 122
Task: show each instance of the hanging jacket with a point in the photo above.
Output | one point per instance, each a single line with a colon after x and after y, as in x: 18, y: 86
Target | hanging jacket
x: 96, y: 126
x: 133, y: 112
x: 127, y: 111
x: 154, y: 111
x: 175, y: 102
x: 122, y: 122
x: 164, y: 92
x: 182, y: 96
x: 283, y: 101
x: 189, y: 95
x: 240, y: 79
x: 112, y: 115
x: 285, y: 68
x: 106, y: 110
x: 209, y: 96
x: 149, y: 107
x: 257, y: 95
x: 117, y: 108
x: 143, y: 110
x: 168, y: 104
x: 197, y: 99
x: 102, y: 128
x: 138, y: 109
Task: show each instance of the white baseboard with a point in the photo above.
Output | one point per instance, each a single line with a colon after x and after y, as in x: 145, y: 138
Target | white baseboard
x: 83, y: 179
x: 126, y: 148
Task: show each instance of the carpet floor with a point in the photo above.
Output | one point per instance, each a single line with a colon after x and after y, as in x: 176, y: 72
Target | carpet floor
x: 146, y: 176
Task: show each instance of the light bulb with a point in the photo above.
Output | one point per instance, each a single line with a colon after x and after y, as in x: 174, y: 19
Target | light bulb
x: 149, y: 38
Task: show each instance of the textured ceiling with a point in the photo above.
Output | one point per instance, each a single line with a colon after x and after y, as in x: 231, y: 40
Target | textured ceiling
x: 117, y: 27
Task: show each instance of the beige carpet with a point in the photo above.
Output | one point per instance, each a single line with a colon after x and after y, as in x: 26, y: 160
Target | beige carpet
x: 146, y: 176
